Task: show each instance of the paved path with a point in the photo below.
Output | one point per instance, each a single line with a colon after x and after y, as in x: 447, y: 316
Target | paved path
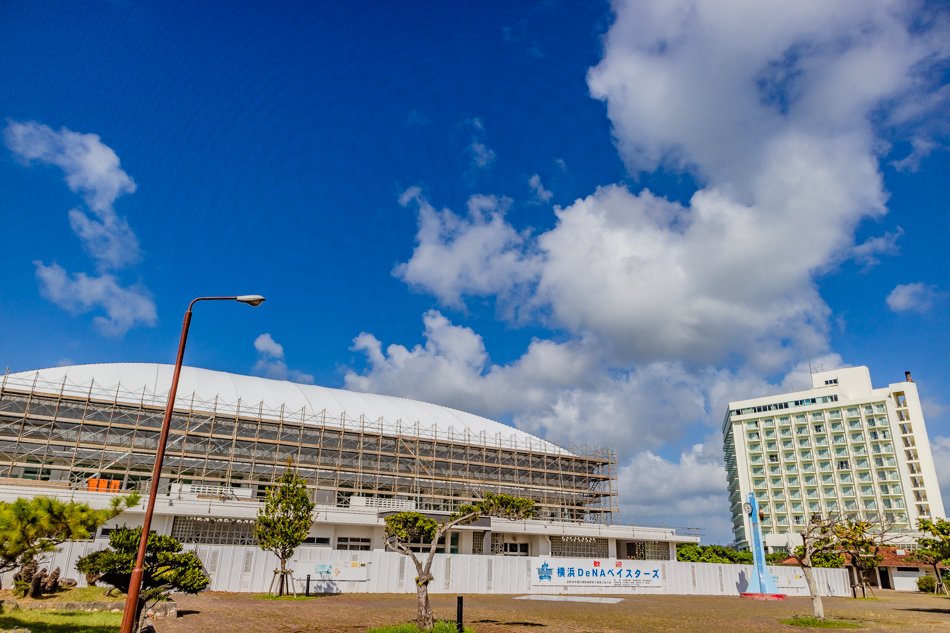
x: 353, y: 613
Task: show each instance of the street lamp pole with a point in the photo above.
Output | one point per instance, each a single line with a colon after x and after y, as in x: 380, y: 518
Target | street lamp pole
x: 135, y: 582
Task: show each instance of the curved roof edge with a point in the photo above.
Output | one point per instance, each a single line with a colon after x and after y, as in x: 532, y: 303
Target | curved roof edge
x: 206, y: 389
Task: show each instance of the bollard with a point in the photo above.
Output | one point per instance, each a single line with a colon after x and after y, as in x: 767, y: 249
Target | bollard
x: 458, y: 617
x: 308, y: 585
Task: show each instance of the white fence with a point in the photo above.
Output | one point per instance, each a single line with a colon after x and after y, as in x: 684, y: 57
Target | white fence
x: 248, y: 569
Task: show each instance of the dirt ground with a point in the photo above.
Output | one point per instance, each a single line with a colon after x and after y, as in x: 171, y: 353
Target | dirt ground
x: 353, y: 613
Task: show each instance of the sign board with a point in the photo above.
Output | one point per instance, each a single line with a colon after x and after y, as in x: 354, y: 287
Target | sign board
x: 604, y: 572
x: 352, y: 571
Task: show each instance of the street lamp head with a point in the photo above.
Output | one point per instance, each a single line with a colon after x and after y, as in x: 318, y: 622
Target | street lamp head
x: 253, y: 300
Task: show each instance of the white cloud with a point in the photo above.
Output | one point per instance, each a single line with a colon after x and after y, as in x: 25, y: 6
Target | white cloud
x: 540, y: 193
x: 477, y: 254
x: 124, y: 307
x: 867, y: 252
x: 659, y: 280
x: 771, y: 108
x: 920, y: 149
x: 940, y: 447
x: 271, y: 364
x: 482, y: 155
x: 266, y: 345
x: 92, y: 170
x: 710, y: 84
x: 688, y: 492
x: 565, y: 391
x: 913, y: 297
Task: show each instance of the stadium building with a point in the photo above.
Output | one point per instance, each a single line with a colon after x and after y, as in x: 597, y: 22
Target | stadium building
x: 88, y: 432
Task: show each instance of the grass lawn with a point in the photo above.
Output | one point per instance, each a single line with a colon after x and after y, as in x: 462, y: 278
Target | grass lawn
x: 814, y: 623
x: 61, y: 621
x: 76, y: 594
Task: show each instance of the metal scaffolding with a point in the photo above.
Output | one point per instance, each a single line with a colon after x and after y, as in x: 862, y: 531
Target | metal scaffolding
x: 103, y: 438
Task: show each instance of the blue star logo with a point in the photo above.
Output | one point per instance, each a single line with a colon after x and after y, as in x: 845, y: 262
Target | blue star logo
x: 544, y: 571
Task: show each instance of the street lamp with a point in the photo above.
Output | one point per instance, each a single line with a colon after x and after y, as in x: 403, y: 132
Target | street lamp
x: 135, y: 582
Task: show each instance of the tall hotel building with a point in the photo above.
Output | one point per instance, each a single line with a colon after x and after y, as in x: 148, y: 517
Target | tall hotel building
x: 841, y: 447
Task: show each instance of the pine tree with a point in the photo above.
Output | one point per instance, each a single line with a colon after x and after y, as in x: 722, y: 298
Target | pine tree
x: 167, y: 567
x: 284, y: 521
x: 30, y: 527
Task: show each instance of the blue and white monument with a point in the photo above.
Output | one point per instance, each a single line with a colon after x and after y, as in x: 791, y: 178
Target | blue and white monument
x: 761, y: 586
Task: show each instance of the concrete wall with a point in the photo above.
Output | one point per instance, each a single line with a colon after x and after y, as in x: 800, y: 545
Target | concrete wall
x: 248, y: 569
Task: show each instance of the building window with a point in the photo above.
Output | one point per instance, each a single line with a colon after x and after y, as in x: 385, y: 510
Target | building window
x: 648, y: 550
x: 579, y: 547
x: 831, y: 381
x: 478, y: 542
x: 843, y: 464
x: 516, y: 549
x: 214, y: 531
x: 353, y: 543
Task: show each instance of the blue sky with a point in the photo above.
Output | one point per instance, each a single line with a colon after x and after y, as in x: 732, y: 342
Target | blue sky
x: 597, y: 222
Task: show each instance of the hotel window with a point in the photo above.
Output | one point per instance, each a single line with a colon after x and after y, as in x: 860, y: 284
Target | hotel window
x: 843, y: 464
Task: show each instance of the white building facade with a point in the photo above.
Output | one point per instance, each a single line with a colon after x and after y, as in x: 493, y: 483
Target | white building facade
x: 839, y: 448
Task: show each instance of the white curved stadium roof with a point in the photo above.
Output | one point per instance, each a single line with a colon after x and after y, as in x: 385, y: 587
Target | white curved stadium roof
x: 148, y: 383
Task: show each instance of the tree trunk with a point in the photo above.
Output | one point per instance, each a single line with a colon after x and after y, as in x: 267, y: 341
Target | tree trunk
x: 424, y: 612
x: 283, y: 577
x: 941, y: 585
x: 816, y: 604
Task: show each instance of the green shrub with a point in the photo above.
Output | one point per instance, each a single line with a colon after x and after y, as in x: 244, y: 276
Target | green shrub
x: 927, y: 584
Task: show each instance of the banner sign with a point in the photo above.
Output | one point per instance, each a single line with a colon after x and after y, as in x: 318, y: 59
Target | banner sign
x: 575, y: 572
